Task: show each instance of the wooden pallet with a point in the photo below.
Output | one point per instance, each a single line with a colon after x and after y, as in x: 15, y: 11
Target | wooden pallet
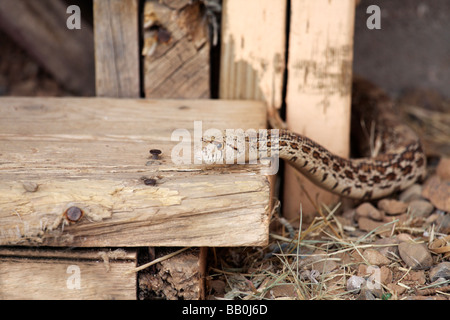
x: 92, y: 153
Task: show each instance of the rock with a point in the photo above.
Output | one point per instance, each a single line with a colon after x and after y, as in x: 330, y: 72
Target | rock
x: 387, y: 250
x: 325, y: 266
x: 392, y: 206
x: 443, y: 169
x: 284, y: 290
x: 439, y: 282
x: 375, y: 275
x: 355, y: 283
x: 442, y: 270
x: 443, y: 223
x: 416, y: 277
x: 385, y: 275
x: 319, y: 261
x: 402, y: 218
x: 398, y: 290
x: 414, y: 192
x: 420, y: 208
x: 375, y: 258
x: 369, y: 211
x: 367, y: 224
x: 368, y: 292
x: 438, y: 192
x: 415, y: 255
x: 404, y: 237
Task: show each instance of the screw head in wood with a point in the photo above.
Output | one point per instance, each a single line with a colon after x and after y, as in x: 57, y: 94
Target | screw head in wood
x: 73, y: 214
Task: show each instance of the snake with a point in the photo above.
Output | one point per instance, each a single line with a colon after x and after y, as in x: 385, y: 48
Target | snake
x: 392, y: 155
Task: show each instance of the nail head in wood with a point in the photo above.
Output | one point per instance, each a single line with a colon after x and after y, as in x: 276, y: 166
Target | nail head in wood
x: 155, y: 153
x: 150, y: 182
x: 73, y: 214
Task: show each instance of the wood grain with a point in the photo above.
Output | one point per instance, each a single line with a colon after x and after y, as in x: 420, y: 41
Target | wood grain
x: 53, y: 274
x: 116, y: 35
x: 176, y: 50
x: 93, y: 153
x: 319, y: 89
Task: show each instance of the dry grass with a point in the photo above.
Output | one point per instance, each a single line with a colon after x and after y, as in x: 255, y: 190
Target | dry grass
x: 305, y: 262
x: 284, y: 269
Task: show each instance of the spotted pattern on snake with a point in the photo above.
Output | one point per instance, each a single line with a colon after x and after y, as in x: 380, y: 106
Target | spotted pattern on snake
x: 396, y: 158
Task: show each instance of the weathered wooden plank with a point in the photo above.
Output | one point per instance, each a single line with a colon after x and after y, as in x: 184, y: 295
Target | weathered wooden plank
x: 319, y: 87
x: 60, y: 274
x: 116, y: 36
x: 176, y: 50
x: 92, y: 154
x: 253, y: 50
x: 39, y: 27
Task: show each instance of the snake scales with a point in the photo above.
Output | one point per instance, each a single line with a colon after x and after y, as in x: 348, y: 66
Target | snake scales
x: 396, y: 158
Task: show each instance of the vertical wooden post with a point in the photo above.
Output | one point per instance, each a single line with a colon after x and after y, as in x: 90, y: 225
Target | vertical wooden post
x: 319, y: 88
x: 253, y: 53
x: 176, y: 50
x: 116, y: 36
x: 253, y: 50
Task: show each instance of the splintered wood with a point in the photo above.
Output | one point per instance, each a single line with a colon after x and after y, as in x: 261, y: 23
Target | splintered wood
x: 176, y: 50
x: 77, y: 172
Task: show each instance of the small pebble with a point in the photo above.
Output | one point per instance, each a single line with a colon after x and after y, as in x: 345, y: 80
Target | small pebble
x: 368, y: 292
x: 414, y: 192
x: 443, y: 223
x: 374, y: 274
x: 392, y: 207
x: 367, y: 224
x: 437, y: 190
x: 355, y: 283
x: 416, y: 277
x: 439, y: 281
x: 420, y: 208
x: 443, y: 169
x: 367, y: 210
x: 386, y: 250
x: 375, y: 258
x: 396, y: 288
x: 325, y: 266
x: 385, y: 275
x: 404, y: 237
x: 441, y: 270
x: 415, y: 255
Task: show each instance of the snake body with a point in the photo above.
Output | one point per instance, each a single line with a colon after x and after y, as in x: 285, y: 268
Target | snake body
x: 397, y: 159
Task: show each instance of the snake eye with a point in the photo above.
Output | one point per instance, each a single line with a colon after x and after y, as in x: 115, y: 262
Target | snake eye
x: 219, y: 145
